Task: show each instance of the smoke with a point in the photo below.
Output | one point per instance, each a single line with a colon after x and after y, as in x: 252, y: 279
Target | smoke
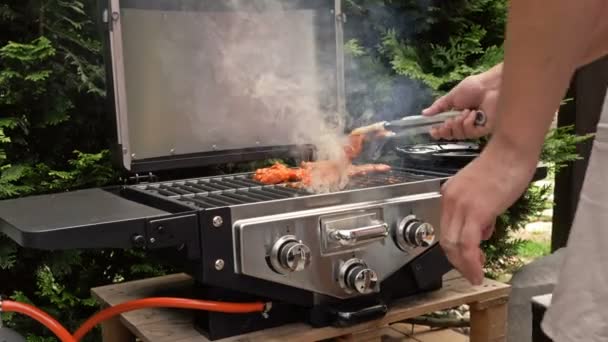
x: 233, y: 74
x: 291, y: 76
x: 374, y: 91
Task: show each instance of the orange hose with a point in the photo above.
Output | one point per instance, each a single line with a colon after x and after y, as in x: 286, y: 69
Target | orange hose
x: 40, y: 316
x: 166, y: 302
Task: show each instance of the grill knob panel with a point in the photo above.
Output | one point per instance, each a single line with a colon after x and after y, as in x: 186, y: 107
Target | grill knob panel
x: 413, y: 232
x: 289, y: 255
x: 356, y: 276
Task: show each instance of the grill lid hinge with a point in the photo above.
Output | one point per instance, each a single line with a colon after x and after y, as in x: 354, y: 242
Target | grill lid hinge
x: 147, y: 178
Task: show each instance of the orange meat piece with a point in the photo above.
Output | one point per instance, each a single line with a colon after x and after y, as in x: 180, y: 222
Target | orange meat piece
x: 364, y: 169
x: 276, y: 174
x: 357, y: 139
x: 355, y: 146
x: 330, y: 171
x: 324, y: 172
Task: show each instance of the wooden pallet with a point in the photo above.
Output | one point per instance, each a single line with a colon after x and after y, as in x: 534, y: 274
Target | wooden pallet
x: 488, y: 304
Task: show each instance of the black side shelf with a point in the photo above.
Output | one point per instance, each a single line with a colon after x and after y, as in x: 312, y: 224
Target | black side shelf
x: 92, y: 218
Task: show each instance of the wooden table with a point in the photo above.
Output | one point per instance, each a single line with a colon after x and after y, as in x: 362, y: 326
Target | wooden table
x: 488, y: 303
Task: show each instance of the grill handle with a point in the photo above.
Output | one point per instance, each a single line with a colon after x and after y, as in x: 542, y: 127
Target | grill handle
x: 351, y: 237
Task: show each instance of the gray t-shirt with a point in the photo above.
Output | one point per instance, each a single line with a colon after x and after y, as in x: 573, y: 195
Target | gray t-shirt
x: 579, y: 307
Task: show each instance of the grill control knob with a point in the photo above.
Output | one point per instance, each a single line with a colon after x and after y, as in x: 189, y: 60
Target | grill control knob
x: 412, y: 232
x: 355, y: 276
x: 294, y: 256
x: 289, y: 255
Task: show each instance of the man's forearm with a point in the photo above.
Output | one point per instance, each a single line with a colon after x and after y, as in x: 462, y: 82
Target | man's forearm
x: 545, y: 43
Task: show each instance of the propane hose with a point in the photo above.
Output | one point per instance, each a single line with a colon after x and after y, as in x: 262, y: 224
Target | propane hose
x: 156, y: 302
x: 42, y: 317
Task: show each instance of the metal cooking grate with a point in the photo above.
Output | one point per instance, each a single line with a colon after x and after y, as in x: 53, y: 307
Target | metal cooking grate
x: 215, y: 192
x: 380, y: 179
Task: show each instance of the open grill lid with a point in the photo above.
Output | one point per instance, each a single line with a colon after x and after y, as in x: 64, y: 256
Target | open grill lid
x: 199, y: 82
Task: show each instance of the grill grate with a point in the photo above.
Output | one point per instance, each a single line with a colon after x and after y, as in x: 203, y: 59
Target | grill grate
x: 215, y: 192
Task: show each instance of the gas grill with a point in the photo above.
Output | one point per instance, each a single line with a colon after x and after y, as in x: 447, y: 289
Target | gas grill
x: 327, y: 259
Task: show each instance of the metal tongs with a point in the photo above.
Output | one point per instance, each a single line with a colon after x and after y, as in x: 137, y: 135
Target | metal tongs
x: 413, y: 125
x: 409, y: 126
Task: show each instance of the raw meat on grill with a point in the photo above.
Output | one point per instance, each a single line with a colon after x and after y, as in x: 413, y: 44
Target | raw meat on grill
x: 324, y: 172
x: 330, y: 172
x: 355, y: 146
x: 364, y: 169
x: 276, y: 174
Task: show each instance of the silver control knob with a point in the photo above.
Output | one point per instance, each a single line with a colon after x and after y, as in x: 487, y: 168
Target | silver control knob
x: 355, y: 276
x: 289, y: 255
x: 294, y: 256
x: 412, y: 232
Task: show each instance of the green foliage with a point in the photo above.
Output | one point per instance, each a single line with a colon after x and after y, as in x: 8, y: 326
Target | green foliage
x: 53, y: 137
x: 560, y: 146
x: 436, y: 46
x: 87, y: 170
x: 502, y: 249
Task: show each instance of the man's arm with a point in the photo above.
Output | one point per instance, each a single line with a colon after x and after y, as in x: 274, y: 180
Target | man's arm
x: 545, y: 43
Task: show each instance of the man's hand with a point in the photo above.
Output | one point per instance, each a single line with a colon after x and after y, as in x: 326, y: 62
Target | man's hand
x: 473, y: 199
x: 474, y: 93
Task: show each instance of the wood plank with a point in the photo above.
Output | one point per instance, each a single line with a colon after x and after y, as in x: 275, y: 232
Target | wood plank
x: 160, y: 325
x: 117, y: 293
x: 167, y: 331
x: 489, y: 321
x: 410, y: 329
x: 381, y: 334
x: 113, y: 330
x: 441, y: 336
x: 451, y: 275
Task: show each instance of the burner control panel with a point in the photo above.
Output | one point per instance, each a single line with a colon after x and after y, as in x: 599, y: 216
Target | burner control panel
x: 342, y: 251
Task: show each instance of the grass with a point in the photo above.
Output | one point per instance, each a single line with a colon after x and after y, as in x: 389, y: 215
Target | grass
x: 534, y: 245
x: 534, y: 249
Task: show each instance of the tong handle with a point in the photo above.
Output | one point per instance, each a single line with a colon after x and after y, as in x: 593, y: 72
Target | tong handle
x: 416, y: 122
x: 480, y: 117
x: 424, y: 120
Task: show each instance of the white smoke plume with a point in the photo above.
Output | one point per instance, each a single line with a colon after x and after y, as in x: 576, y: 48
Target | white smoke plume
x: 233, y: 74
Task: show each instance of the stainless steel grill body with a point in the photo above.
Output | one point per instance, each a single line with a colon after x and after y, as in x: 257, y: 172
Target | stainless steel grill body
x: 364, y: 222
